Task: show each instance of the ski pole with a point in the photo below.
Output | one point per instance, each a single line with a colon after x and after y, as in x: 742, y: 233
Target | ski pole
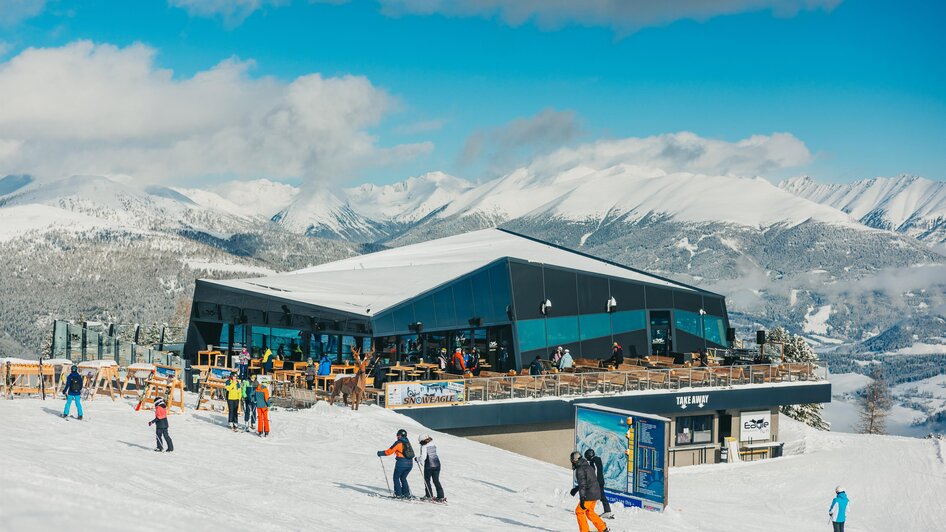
x: 426, y: 486
x: 385, y: 472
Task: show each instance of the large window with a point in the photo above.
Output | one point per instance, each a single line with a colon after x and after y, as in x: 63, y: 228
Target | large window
x: 694, y: 429
x: 594, y: 326
x: 563, y: 330
x: 627, y: 321
x: 715, y: 329
x: 687, y: 321
x: 531, y: 334
x: 424, y: 311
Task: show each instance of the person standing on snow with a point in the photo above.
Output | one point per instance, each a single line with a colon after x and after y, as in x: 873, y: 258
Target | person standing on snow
x: 234, y: 394
x: 840, y: 500
x: 310, y: 372
x: 160, y: 423
x: 596, y: 463
x: 249, y: 404
x: 325, y: 366
x: 431, y: 464
x: 73, y: 392
x: 244, y: 361
x: 404, y: 454
x: 262, y: 410
x: 588, y: 492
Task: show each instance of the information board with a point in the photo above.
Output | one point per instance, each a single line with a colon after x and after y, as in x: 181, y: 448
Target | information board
x: 633, y: 448
x: 424, y: 393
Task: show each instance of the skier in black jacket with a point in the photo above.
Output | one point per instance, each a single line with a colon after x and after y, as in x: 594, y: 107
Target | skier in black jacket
x: 588, y: 492
x: 595, y: 461
x: 73, y: 391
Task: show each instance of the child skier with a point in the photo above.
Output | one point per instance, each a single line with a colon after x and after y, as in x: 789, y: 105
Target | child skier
x: 160, y: 423
x: 262, y: 410
x: 588, y: 492
x: 249, y: 404
x: 595, y: 462
x: 403, y: 464
x: 431, y: 464
x: 840, y: 500
x: 73, y: 392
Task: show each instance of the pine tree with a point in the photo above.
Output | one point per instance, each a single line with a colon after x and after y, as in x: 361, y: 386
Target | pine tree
x: 875, y: 405
x: 797, y: 350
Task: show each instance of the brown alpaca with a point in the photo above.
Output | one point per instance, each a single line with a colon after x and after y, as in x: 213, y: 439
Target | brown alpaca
x: 353, y: 385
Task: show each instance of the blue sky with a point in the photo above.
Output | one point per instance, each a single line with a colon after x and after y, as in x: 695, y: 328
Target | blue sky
x: 861, y: 84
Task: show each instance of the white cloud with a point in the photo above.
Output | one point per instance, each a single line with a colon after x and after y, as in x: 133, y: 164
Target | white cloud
x: 99, y: 109
x: 15, y: 11
x: 624, y: 16
x: 683, y: 152
x: 233, y: 12
x: 520, y: 138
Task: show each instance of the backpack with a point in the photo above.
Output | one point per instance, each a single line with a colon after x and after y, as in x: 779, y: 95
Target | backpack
x: 407, y: 451
x: 75, y: 385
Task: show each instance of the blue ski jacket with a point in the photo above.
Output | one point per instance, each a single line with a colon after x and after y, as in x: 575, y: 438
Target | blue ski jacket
x: 841, y: 502
x: 74, y: 384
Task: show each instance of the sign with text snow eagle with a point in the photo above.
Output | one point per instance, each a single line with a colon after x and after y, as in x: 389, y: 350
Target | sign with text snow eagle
x: 633, y: 449
x: 424, y: 393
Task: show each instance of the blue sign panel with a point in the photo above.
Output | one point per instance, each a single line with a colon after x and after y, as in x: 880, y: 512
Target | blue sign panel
x: 633, y: 451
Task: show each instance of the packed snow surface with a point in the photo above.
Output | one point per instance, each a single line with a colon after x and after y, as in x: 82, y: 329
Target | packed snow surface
x: 318, y: 471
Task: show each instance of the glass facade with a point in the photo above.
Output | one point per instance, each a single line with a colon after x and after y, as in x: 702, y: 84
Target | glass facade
x: 693, y: 429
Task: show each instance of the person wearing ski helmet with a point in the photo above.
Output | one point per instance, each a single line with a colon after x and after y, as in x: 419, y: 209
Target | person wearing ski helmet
x: 160, y: 423
x: 404, y: 462
x: 431, y: 464
x: 588, y: 492
x: 840, y: 501
x: 596, y: 463
x: 73, y: 392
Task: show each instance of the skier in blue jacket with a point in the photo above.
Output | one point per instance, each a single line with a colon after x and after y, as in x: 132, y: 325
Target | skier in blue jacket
x: 73, y: 391
x: 840, y: 516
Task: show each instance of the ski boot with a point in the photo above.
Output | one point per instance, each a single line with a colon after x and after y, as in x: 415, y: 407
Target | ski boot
x: 158, y: 450
x: 607, y: 515
x: 79, y: 418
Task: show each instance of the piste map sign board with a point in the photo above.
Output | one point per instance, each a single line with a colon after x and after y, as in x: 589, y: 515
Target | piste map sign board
x: 633, y: 448
x: 424, y: 393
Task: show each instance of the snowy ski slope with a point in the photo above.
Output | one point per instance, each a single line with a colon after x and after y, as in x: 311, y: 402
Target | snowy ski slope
x: 318, y: 471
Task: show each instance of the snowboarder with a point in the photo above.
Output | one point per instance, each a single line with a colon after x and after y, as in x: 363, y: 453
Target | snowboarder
x: 431, y: 464
x: 840, y: 500
x: 234, y: 394
x: 262, y: 410
x: 536, y: 367
x: 249, y: 404
x: 567, y: 361
x: 595, y: 462
x: 588, y: 492
x: 310, y: 372
x: 244, y: 363
x: 160, y: 423
x: 404, y: 456
x: 73, y: 392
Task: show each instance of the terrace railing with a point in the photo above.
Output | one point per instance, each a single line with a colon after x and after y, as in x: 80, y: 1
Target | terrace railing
x: 493, y: 388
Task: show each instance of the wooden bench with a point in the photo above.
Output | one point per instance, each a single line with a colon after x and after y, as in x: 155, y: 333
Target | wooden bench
x: 798, y: 371
x: 763, y: 373
x: 692, y: 377
x: 660, y: 361
x: 729, y: 375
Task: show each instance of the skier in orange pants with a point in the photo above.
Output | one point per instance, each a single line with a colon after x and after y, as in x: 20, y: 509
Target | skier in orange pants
x: 262, y: 410
x: 588, y: 492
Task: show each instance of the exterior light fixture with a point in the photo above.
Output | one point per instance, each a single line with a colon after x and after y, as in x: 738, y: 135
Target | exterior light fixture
x: 544, y: 308
x: 612, y: 304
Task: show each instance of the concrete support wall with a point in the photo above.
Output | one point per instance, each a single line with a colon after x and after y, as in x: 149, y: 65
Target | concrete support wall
x: 550, y: 443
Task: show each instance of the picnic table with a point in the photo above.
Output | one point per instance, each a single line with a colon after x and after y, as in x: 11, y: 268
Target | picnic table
x: 402, y: 370
x: 344, y: 368
x: 426, y: 367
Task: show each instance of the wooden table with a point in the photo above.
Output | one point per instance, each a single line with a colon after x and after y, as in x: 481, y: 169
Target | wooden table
x: 344, y: 368
x: 426, y: 367
x: 401, y: 369
x: 323, y: 381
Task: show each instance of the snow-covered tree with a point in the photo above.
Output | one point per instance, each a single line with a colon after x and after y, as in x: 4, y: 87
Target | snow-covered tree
x: 875, y: 405
x: 796, y: 349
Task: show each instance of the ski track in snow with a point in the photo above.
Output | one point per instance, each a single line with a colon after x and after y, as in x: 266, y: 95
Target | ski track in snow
x: 318, y: 471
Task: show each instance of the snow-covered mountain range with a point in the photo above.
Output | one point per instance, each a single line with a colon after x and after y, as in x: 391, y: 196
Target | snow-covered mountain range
x: 847, y: 257
x: 908, y: 204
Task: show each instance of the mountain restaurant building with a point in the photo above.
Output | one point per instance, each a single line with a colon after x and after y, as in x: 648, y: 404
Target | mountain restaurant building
x: 509, y: 296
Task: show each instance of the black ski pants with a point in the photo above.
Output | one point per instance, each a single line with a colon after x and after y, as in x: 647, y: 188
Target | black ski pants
x: 234, y: 410
x: 163, y: 433
x: 432, y: 474
x: 838, y: 527
x: 249, y: 413
x: 604, y: 501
